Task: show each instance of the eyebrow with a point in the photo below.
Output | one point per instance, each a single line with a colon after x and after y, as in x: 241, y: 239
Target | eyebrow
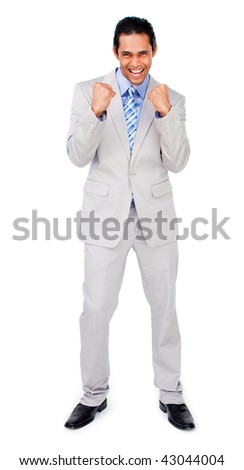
x: 139, y: 52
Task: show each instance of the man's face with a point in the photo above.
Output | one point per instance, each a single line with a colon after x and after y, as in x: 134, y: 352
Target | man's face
x: 135, y: 56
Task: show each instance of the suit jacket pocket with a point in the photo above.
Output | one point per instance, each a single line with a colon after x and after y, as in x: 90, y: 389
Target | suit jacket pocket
x: 162, y: 188
x: 96, y: 187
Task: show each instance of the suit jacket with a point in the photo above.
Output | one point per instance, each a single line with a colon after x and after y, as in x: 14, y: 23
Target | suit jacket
x: 160, y: 145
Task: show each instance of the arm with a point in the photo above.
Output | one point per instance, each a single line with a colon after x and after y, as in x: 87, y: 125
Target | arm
x: 174, y: 142
x: 85, y: 130
x: 171, y: 127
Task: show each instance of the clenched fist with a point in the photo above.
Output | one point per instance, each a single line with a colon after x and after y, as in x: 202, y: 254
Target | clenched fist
x: 101, y: 97
x: 159, y: 97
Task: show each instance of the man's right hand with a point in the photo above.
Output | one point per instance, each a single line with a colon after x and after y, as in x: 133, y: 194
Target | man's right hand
x: 101, y: 97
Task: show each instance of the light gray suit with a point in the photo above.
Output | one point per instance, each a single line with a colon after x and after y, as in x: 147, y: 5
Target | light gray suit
x: 160, y: 145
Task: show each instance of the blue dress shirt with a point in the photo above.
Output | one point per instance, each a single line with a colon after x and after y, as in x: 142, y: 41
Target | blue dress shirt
x: 124, y: 84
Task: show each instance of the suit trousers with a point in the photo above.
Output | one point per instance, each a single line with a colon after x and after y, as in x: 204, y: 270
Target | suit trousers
x: 104, y: 269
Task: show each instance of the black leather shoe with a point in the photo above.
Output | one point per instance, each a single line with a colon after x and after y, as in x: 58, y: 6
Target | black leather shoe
x: 83, y: 415
x: 178, y: 415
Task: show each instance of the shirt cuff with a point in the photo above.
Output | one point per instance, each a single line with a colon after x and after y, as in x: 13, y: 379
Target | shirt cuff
x: 159, y: 116
x: 103, y: 116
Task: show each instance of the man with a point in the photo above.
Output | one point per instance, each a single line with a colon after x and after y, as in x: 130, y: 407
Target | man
x: 132, y: 131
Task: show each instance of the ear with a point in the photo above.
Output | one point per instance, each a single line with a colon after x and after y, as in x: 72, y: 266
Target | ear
x: 115, y: 53
x: 154, y: 51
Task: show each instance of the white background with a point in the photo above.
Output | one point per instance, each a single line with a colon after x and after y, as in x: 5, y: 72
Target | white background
x: 48, y: 46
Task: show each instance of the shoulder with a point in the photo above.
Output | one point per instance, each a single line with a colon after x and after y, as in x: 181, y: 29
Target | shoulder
x: 174, y: 95
x: 84, y: 89
x: 86, y: 85
x: 109, y: 77
x: 89, y: 83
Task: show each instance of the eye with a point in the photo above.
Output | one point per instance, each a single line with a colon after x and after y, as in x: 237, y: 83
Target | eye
x: 143, y: 53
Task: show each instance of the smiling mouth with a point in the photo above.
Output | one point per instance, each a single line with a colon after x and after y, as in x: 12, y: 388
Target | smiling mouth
x: 136, y: 73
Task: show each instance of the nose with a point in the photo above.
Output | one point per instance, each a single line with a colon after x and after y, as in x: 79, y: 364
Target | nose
x: 135, y: 61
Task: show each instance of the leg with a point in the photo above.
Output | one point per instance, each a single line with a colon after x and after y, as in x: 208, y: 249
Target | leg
x: 158, y: 267
x: 104, y: 269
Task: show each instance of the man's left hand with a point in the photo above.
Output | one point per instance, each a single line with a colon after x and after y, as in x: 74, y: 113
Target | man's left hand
x: 159, y: 97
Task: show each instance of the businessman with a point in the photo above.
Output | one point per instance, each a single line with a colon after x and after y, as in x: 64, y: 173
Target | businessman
x: 131, y: 130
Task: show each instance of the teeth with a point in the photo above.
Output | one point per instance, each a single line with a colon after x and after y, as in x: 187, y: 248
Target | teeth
x: 136, y: 72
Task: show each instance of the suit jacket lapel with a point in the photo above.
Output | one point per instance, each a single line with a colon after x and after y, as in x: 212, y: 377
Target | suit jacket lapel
x: 116, y: 112
x: 146, y: 118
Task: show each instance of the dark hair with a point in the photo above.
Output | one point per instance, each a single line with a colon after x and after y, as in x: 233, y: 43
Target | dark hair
x: 134, y: 25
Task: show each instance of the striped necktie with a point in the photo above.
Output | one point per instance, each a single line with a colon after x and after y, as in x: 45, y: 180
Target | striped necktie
x: 130, y: 110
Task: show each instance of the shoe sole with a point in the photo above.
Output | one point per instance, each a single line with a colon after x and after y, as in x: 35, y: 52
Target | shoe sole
x: 101, y: 408
x: 185, y: 428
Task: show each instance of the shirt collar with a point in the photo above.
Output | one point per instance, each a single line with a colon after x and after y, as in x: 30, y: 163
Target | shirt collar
x: 124, y: 84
